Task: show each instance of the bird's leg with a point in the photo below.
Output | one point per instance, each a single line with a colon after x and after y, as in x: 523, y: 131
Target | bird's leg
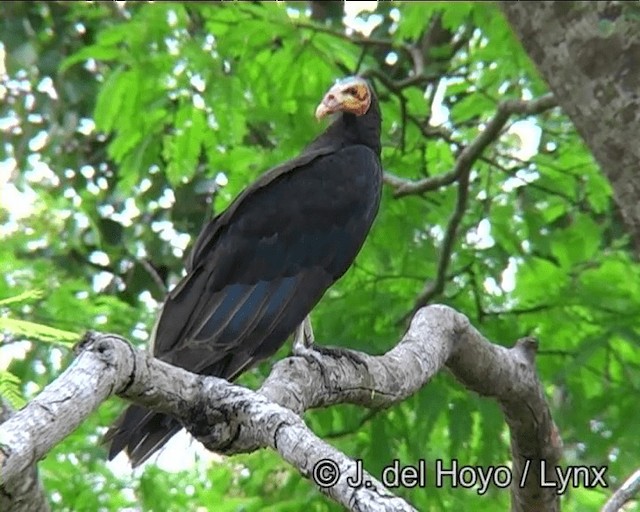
x: 304, y: 346
x: 309, y: 337
x: 303, y: 338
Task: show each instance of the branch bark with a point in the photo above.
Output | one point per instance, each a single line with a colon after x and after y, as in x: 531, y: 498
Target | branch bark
x: 25, y: 493
x: 230, y: 419
x: 624, y: 494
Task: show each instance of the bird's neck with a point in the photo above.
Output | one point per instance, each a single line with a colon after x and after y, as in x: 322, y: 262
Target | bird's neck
x: 348, y: 129
x: 361, y: 130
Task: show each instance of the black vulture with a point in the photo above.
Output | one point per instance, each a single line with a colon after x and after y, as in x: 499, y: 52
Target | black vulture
x: 258, y: 268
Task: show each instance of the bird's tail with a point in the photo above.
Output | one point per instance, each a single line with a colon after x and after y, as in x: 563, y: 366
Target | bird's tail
x: 140, y: 432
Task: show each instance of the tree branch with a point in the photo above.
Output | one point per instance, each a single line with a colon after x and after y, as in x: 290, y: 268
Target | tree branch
x: 231, y: 419
x: 25, y: 493
x: 472, y: 152
x: 625, y: 493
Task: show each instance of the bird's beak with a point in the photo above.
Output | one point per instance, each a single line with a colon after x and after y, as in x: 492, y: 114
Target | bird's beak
x: 328, y: 105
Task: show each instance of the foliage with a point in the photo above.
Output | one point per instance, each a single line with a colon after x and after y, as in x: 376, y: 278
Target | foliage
x: 127, y: 127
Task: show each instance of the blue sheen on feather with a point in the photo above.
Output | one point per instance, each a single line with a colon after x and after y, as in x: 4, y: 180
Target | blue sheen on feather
x: 277, y: 299
x: 233, y: 293
x: 246, y: 312
x: 236, y: 294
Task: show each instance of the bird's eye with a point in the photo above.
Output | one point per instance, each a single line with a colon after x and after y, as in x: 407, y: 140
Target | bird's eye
x: 351, y: 91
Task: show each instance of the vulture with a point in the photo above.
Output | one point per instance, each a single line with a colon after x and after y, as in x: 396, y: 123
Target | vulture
x: 258, y: 268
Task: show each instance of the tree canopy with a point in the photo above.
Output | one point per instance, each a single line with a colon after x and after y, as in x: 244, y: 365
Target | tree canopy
x: 127, y: 126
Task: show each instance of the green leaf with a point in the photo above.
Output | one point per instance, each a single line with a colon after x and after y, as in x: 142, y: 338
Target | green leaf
x: 415, y: 18
x: 539, y: 281
x: 577, y: 243
x: 183, y: 149
x: 38, y: 331
x: 97, y: 52
x: 460, y: 426
x: 471, y: 107
x: 26, y: 296
x: 110, y: 100
x: 10, y: 389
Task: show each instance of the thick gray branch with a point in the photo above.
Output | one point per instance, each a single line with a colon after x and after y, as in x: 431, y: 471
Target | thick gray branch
x: 231, y: 419
x: 24, y: 494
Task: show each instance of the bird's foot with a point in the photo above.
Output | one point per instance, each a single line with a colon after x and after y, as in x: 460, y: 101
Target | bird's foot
x: 315, y: 353
x: 304, y: 346
x: 340, y: 352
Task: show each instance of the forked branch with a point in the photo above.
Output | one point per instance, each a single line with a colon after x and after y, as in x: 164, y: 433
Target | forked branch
x: 230, y: 419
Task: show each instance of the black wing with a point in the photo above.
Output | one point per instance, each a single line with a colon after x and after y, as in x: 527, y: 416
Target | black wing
x: 261, y: 270
x: 256, y: 271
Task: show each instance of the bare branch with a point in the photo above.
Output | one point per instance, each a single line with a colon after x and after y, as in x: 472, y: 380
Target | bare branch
x: 472, y: 152
x: 625, y: 493
x: 25, y: 493
x: 404, y: 187
x: 153, y: 273
x: 434, y: 287
x: 231, y: 419
x: 519, y: 311
x: 396, y: 86
x: 469, y: 154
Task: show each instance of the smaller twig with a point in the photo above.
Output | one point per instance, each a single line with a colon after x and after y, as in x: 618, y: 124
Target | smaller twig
x: 477, y: 296
x: 519, y: 311
x: 397, y: 86
x: 558, y: 352
x: 405, y: 187
x: 403, y: 122
x: 461, y: 173
x: 363, y: 54
x: 434, y: 287
x: 418, y: 59
x: 153, y: 273
x: 472, y: 152
x: 355, y: 39
x: 512, y: 171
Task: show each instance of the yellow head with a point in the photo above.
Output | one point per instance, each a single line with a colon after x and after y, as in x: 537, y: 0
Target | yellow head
x: 350, y: 95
